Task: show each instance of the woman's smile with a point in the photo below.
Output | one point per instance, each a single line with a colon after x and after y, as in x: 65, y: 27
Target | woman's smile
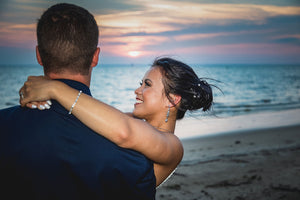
x: 138, y: 101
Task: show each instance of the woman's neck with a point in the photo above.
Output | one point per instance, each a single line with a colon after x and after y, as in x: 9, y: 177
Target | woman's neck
x: 160, y: 123
x: 164, y: 126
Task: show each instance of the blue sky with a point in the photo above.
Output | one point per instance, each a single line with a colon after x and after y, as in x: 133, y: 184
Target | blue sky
x: 195, y: 31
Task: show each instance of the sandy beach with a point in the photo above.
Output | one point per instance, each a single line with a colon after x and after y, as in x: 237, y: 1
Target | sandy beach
x: 240, y: 161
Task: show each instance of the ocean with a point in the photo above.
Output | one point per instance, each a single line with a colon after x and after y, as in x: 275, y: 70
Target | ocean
x: 243, y: 89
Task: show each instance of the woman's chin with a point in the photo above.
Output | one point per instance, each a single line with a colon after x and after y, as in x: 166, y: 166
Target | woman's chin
x: 136, y: 114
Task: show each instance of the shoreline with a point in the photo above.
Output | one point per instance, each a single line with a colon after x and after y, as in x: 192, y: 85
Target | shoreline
x: 239, y: 142
x: 244, y: 163
x: 189, y: 128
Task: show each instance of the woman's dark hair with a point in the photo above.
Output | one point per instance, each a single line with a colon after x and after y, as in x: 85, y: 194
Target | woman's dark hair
x: 180, y: 79
x: 67, y: 38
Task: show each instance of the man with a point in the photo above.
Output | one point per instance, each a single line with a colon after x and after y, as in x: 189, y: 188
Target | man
x: 52, y: 155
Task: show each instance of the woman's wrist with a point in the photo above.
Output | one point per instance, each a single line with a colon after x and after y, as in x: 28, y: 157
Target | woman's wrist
x: 55, y: 88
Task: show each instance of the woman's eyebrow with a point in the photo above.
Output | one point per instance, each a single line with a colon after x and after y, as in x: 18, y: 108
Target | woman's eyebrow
x: 147, y: 79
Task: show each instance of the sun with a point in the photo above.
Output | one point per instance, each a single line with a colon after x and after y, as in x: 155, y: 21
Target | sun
x: 134, y: 53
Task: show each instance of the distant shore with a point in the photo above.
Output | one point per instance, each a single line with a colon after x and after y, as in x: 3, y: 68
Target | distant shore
x: 258, y: 161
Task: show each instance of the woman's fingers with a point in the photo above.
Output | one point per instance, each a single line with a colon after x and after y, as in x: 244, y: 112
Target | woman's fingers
x: 21, y: 93
x: 41, y: 105
x: 33, y: 94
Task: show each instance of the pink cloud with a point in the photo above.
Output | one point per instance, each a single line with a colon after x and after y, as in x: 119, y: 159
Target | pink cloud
x: 17, y: 35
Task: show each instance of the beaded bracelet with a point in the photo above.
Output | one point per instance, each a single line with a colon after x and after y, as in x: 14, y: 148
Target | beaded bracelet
x: 70, y: 112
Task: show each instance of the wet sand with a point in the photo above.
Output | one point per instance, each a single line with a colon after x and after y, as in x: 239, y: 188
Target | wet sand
x: 262, y: 163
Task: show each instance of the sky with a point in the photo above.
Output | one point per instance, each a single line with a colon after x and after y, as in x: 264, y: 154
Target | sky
x: 194, y: 31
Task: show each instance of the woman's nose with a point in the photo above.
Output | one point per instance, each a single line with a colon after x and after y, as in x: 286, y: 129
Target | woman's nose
x: 138, y: 90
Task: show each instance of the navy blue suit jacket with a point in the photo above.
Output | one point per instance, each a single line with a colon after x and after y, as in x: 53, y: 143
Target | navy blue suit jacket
x: 51, y: 155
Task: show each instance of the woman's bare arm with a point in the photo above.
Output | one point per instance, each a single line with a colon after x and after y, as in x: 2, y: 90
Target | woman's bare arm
x: 164, y: 149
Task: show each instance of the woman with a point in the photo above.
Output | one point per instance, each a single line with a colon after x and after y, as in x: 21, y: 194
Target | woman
x: 167, y: 91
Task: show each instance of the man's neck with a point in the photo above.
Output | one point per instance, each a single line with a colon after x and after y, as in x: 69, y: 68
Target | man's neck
x: 85, y: 79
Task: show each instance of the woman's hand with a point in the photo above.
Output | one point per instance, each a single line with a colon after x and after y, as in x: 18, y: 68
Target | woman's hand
x: 41, y: 105
x: 36, y: 92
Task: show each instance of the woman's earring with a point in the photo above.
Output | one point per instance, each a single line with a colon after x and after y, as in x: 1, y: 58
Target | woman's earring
x: 168, y: 114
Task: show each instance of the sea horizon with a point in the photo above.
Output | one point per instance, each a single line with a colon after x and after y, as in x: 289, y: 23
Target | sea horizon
x: 244, y: 88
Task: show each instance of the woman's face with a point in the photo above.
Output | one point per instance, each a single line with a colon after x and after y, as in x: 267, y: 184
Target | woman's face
x: 151, y: 101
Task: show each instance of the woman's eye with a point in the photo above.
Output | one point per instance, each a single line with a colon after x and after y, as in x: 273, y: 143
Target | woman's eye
x: 147, y: 84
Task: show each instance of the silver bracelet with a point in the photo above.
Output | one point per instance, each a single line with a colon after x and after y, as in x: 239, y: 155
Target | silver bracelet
x: 70, y: 112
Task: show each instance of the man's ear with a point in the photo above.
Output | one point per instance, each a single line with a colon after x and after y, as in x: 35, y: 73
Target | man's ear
x: 95, y: 57
x: 38, y: 57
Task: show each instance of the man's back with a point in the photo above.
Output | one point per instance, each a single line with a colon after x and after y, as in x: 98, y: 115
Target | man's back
x: 51, y: 155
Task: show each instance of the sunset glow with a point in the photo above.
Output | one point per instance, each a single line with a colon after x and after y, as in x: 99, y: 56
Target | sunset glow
x: 133, y: 53
x: 199, y: 31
